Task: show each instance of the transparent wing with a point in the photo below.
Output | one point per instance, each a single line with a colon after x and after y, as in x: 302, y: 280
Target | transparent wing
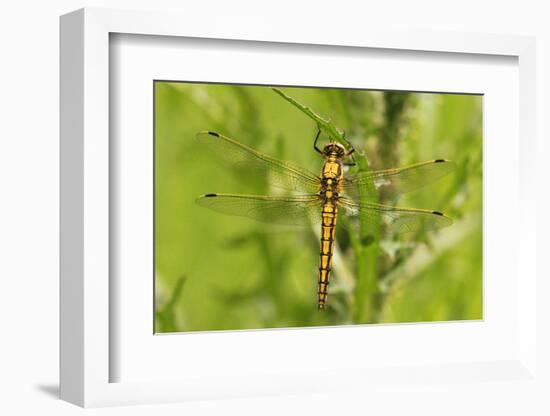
x: 396, y: 219
x: 291, y: 210
x: 281, y: 174
x: 393, y: 182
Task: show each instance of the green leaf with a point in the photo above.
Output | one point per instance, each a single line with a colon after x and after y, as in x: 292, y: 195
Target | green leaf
x: 325, y: 125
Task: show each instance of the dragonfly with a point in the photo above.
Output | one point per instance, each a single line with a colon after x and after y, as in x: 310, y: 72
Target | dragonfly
x: 323, y: 198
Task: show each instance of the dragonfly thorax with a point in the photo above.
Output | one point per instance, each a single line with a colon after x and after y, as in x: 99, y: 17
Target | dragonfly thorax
x: 335, y: 150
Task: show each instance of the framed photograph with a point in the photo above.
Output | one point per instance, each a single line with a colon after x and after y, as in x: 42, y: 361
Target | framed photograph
x: 268, y: 214
x: 341, y: 226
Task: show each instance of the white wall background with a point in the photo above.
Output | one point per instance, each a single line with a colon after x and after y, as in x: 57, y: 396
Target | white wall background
x: 29, y: 204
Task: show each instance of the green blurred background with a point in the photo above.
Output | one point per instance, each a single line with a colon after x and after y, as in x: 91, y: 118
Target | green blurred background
x: 217, y: 272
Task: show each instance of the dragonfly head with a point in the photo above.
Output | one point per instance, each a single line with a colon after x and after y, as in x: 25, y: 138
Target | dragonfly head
x: 334, y: 149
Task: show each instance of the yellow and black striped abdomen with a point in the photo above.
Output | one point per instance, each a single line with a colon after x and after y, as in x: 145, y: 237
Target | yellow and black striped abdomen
x: 328, y: 228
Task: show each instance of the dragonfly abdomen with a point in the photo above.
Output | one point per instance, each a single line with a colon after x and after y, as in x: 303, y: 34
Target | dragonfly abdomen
x: 328, y: 228
x: 332, y: 174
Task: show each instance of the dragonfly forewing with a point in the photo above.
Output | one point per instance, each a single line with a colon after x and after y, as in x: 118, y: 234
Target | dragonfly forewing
x: 278, y: 173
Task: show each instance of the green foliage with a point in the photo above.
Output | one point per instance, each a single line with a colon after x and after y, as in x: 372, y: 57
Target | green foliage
x: 165, y: 316
x: 241, y: 274
x: 324, y: 125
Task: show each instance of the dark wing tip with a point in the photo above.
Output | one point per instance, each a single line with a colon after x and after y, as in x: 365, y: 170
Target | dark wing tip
x: 201, y: 200
x: 443, y: 220
x: 203, y: 133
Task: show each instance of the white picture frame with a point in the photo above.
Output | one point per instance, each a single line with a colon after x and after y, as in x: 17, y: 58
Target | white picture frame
x: 87, y: 354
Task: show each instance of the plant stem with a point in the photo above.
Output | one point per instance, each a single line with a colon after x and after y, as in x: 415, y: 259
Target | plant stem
x: 366, y: 249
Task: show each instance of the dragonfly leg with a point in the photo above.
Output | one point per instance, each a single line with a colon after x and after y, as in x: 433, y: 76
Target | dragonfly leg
x: 352, y: 163
x: 315, y: 141
x: 351, y: 149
